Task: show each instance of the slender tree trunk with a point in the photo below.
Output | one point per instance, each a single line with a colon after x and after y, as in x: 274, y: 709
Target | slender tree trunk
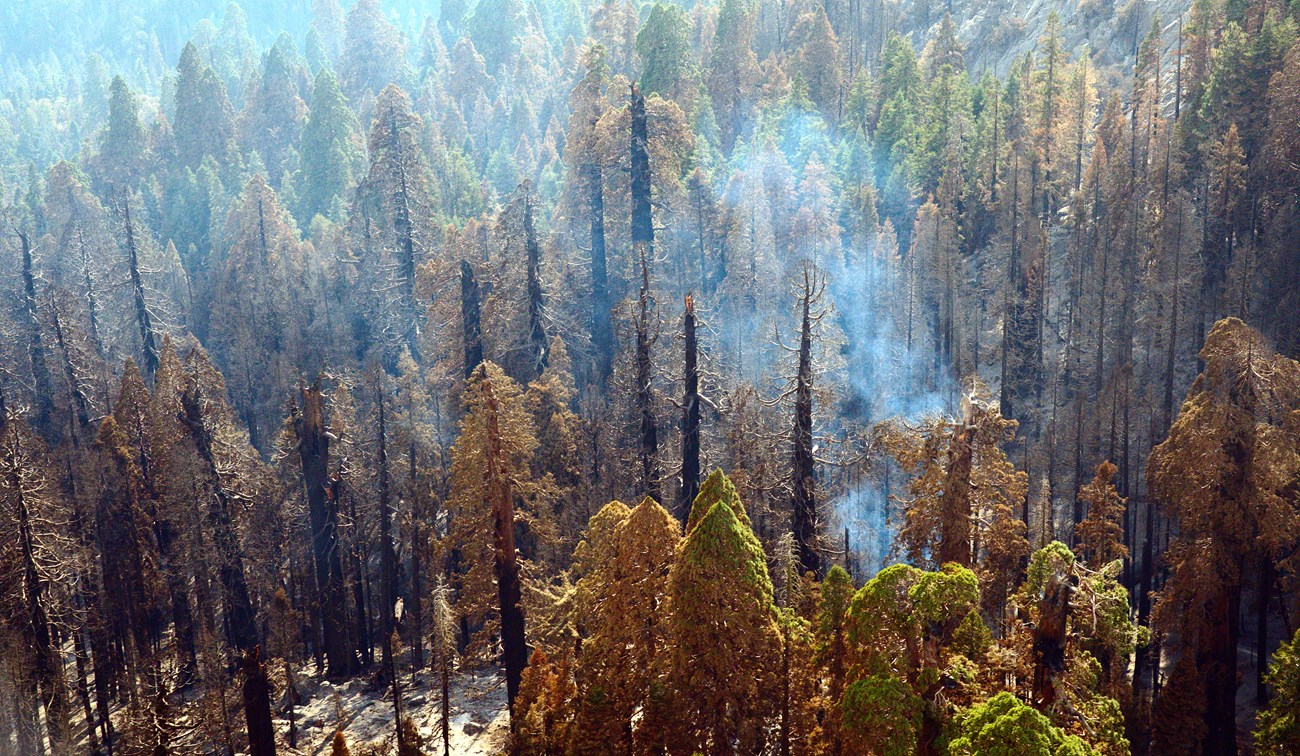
x: 143, y: 320
x: 387, y: 555
x: 417, y: 568
x: 804, y: 484
x: 43, y: 386
x: 645, y: 400
x: 690, y: 417
x: 602, y: 331
x: 471, y: 319
x: 537, y: 341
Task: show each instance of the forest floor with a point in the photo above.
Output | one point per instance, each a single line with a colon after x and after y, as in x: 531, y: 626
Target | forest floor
x: 479, y: 722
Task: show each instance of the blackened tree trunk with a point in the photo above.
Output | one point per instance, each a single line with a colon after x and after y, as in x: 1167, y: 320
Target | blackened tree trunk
x: 313, y: 449
x: 804, y: 485
x: 35, y: 349
x: 470, y: 318
x: 365, y: 647
x: 514, y: 648
x: 602, y: 326
x: 645, y: 400
x: 1218, y: 650
x: 690, y: 417
x: 643, y: 233
x: 257, y: 705
x: 80, y: 399
x: 416, y: 632
x: 387, y: 555
x: 143, y: 320
x: 537, y: 342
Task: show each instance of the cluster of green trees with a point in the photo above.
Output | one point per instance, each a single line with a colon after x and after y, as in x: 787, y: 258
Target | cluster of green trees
x: 301, y: 331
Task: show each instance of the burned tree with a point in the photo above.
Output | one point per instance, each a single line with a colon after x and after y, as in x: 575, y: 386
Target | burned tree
x: 651, y: 472
x: 803, y: 497
x: 149, y: 339
x: 690, y: 416
x: 602, y: 330
x: 313, y: 450
x: 470, y: 318
x: 537, y: 342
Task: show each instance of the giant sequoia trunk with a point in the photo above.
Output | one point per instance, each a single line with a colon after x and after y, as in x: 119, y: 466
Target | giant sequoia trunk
x: 514, y: 648
x: 690, y: 417
x: 257, y: 705
x: 313, y: 449
x: 955, y: 531
x: 643, y: 233
x: 1049, y: 636
x: 804, y: 485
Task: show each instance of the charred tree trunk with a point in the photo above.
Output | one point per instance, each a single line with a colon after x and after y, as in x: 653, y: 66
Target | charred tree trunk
x: 645, y: 400
x: 1218, y: 656
x: 602, y: 330
x: 43, y: 386
x: 690, y: 417
x: 804, y: 485
x: 537, y: 343
x: 416, y: 632
x: 257, y: 705
x: 313, y: 449
x: 387, y: 555
x: 143, y: 320
x: 643, y: 233
x: 470, y: 318
x: 360, y: 579
x: 514, y: 648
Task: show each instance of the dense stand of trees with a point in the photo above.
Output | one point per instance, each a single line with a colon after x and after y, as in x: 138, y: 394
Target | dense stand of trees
x: 331, y: 349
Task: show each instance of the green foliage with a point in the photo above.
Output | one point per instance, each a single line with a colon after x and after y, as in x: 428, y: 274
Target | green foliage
x: 667, y: 65
x: 330, y: 154
x: 937, y: 597
x: 1278, y: 731
x: 972, y: 638
x: 717, y: 487
x: 1052, y: 558
x: 1004, y: 726
x: 881, y: 715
